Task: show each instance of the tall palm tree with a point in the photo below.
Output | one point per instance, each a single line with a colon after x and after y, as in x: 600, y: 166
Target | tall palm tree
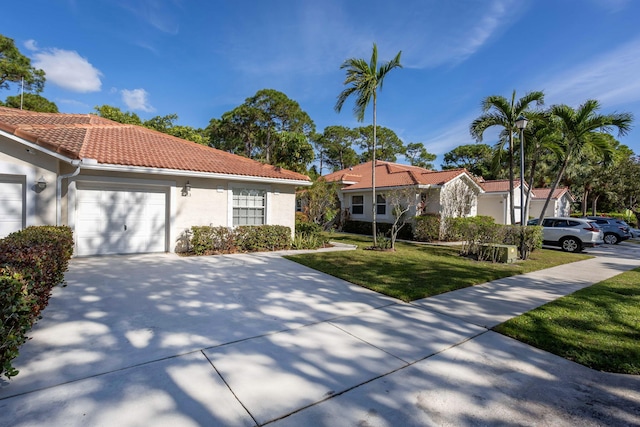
x: 498, y: 111
x: 584, y: 128
x: 542, y: 138
x: 363, y: 81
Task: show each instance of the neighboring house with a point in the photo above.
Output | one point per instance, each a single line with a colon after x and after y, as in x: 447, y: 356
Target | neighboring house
x: 128, y: 189
x: 450, y: 193
x: 495, y: 202
x: 559, y: 205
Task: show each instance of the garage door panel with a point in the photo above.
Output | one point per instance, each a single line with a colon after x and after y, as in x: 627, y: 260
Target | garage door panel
x: 120, y: 220
x: 11, y: 207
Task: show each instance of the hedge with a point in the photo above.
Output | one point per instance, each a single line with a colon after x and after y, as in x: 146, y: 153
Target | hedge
x: 209, y: 240
x: 427, y: 228
x: 365, y: 228
x: 32, y: 262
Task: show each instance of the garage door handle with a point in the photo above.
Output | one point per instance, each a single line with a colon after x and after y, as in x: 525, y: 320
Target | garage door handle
x: 125, y: 227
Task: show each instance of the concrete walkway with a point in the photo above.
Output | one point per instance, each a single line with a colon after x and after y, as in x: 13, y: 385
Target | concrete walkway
x: 255, y: 339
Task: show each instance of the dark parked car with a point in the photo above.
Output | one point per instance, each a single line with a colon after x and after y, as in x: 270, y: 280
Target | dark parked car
x: 571, y: 234
x: 615, y: 230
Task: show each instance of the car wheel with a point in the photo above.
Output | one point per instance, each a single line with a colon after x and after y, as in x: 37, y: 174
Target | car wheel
x: 611, y: 239
x: 571, y: 244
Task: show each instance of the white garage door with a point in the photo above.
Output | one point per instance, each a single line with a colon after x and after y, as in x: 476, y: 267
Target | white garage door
x: 120, y: 220
x: 11, y: 206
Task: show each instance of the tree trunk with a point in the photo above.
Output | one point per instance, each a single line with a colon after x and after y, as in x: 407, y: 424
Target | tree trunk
x: 594, y: 206
x: 553, y: 188
x: 511, y: 178
x: 583, y: 205
x: 534, y: 163
x: 373, y: 174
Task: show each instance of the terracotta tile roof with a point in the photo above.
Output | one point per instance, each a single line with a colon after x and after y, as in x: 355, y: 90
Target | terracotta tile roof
x: 391, y: 175
x: 80, y: 136
x: 542, y: 193
x: 499, y: 185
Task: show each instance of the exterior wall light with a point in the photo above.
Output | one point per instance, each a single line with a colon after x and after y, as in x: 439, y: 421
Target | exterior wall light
x: 41, y: 183
x: 186, y: 190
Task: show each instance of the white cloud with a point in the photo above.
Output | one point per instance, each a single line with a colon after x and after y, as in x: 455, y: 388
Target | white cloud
x: 136, y: 99
x: 31, y: 45
x: 67, y: 69
x: 611, y: 78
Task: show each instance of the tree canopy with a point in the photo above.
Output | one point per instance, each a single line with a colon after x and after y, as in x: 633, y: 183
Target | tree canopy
x: 14, y: 66
x: 476, y: 158
x: 268, y: 127
x: 31, y: 102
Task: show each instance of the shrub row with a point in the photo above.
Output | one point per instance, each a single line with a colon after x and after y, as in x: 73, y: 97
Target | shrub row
x: 363, y: 227
x: 32, y: 262
x: 480, y: 231
x: 308, y: 235
x: 427, y: 228
x: 209, y: 240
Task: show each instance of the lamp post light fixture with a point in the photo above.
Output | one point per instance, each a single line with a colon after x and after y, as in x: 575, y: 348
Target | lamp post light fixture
x: 521, y: 124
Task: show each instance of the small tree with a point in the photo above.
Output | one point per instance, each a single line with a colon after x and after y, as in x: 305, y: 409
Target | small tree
x: 321, y: 202
x: 456, y: 200
x: 402, y: 202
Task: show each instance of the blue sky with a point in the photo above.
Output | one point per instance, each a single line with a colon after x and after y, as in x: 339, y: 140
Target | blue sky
x: 200, y: 59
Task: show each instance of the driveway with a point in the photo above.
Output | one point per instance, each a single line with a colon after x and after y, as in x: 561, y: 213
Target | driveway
x: 256, y: 339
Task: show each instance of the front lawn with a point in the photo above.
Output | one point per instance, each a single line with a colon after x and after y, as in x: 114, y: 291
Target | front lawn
x: 418, y: 271
x: 597, y: 326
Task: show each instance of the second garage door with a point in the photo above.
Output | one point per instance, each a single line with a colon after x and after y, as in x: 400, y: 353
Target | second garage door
x: 11, y: 205
x: 120, y: 220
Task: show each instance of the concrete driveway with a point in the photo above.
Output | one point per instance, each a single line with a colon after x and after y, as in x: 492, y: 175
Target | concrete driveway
x: 256, y: 339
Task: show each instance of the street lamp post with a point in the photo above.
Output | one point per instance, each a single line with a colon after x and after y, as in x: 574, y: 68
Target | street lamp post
x: 521, y: 124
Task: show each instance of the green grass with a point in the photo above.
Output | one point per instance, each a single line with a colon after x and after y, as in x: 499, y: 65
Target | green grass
x: 418, y: 271
x: 598, y: 326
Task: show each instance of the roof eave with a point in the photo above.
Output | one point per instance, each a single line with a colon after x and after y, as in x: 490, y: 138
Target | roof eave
x: 196, y: 174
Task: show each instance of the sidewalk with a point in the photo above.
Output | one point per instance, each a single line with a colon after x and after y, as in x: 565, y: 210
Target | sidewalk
x: 379, y: 363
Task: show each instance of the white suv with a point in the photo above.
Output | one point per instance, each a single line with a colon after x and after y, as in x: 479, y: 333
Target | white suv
x: 571, y: 234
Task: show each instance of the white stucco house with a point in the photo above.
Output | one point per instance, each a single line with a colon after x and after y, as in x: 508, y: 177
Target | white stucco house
x: 450, y: 193
x: 495, y: 202
x: 127, y: 189
x: 559, y: 205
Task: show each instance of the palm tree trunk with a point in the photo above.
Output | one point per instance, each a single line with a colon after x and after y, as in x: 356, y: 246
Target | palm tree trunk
x: 534, y: 163
x: 554, y: 186
x: 373, y: 175
x: 511, y: 177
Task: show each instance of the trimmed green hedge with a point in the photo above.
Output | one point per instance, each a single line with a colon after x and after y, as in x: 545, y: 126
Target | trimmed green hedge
x: 208, y: 240
x: 427, y: 228
x: 365, y: 228
x: 32, y: 262
x: 476, y: 232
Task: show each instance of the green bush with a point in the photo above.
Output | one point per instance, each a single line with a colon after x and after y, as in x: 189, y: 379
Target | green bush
x: 365, y: 228
x: 207, y: 240
x: 526, y: 239
x: 308, y: 228
x: 478, y: 233
x: 427, y: 228
x: 256, y: 238
x: 32, y: 262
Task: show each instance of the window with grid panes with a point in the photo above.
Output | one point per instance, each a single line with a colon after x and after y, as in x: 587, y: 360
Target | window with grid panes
x: 357, y: 205
x: 381, y: 205
x: 249, y: 206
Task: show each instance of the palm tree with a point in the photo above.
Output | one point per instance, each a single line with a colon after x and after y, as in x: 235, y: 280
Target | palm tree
x: 363, y: 80
x: 584, y: 128
x: 498, y: 111
x: 542, y: 137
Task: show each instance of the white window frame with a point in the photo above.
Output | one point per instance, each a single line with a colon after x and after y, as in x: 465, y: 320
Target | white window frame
x: 357, y: 204
x: 378, y: 205
x: 238, y: 186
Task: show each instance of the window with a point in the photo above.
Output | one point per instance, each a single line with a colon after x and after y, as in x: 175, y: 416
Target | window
x: 249, y: 206
x: 381, y: 205
x: 357, y: 205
